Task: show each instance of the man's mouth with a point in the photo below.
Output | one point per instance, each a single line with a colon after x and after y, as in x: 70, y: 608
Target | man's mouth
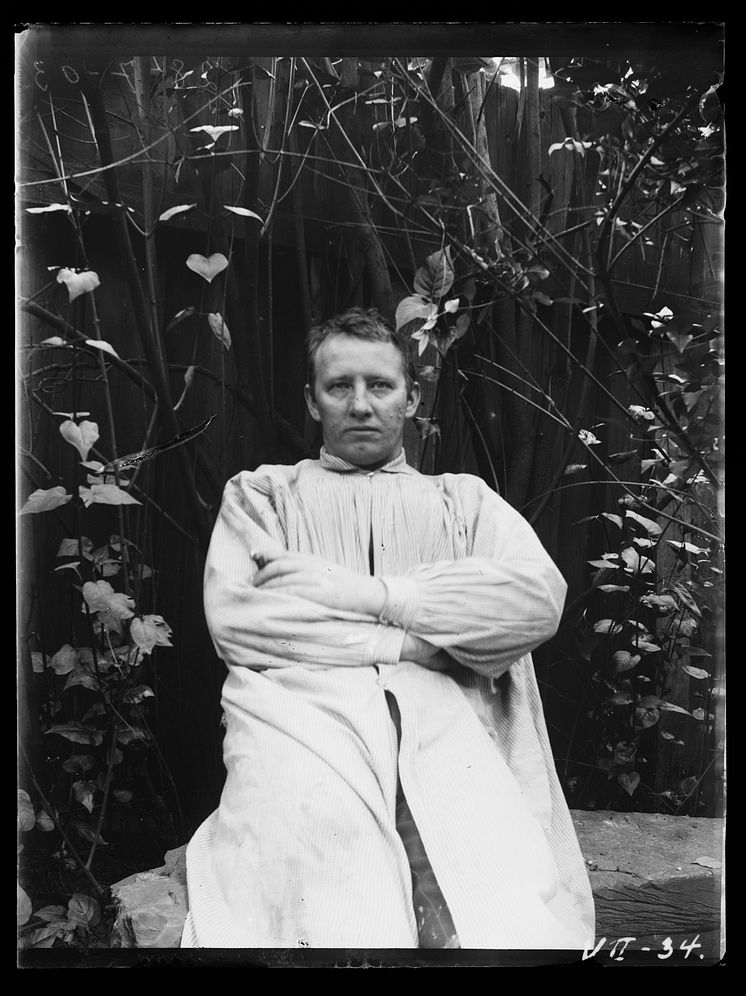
x: 362, y: 429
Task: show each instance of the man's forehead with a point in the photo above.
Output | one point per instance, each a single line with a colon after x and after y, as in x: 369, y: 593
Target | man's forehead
x: 351, y: 355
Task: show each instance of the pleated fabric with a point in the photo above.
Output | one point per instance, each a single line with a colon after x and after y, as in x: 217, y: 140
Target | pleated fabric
x: 303, y: 849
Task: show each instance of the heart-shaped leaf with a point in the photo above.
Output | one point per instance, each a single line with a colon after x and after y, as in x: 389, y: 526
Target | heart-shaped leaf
x: 43, y: 500
x: 77, y: 734
x: 82, y: 436
x: 220, y: 329
x: 78, y: 283
x: 101, y: 597
x: 629, y: 781
x: 413, y: 307
x: 149, y: 632
x: 208, y: 267
x: 53, y: 340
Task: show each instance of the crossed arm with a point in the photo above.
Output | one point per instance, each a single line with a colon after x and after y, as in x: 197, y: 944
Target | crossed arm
x: 484, y: 611
x: 336, y: 587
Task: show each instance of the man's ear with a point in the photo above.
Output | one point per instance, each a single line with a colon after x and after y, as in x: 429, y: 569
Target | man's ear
x: 311, y: 402
x: 413, y: 400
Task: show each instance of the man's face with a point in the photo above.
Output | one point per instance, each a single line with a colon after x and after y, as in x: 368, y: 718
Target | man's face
x: 361, y: 399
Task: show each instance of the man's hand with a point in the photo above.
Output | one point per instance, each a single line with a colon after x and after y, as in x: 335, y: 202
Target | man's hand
x: 321, y: 581
x: 424, y: 653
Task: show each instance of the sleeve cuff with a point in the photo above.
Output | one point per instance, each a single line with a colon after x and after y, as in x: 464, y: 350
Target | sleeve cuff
x: 402, y: 602
x: 384, y: 645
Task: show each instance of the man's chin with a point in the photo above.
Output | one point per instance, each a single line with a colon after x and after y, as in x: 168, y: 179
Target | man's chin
x: 364, y: 453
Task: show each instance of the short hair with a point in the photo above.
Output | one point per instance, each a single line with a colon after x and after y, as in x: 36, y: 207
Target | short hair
x: 363, y: 323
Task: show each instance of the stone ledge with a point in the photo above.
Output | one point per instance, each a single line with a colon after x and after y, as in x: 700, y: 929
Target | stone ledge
x: 652, y: 876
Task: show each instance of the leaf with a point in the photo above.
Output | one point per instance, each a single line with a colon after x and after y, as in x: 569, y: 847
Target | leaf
x: 689, y: 547
x: 694, y: 652
x: 83, y: 679
x: 587, y: 437
x: 23, y: 906
x: 601, y: 564
x: 667, y: 736
x: 207, y: 267
x: 687, y: 599
x: 428, y: 373
x: 574, y: 468
x: 53, y: 340
x: 50, y: 207
x: 65, y: 660
x: 78, y: 762
x: 652, y: 528
x: 181, y: 316
x: 695, y: 672
x: 462, y: 326
x: 629, y: 781
x: 42, y: 937
x: 699, y: 714
x: 149, y: 632
x: 101, y: 597
x: 670, y: 707
x: 215, y: 131
x: 608, y: 626
x: 219, y: 328
x: 105, y: 347
x: 84, y: 792
x: 646, y: 718
x: 621, y: 699
x: 635, y: 563
x: 436, y: 277
x: 244, y: 212
x: 427, y: 427
x: 81, y: 436
x: 680, y: 339
x: 178, y: 209
x: 26, y: 815
x: 138, y: 694
x: 188, y: 378
x: 70, y: 548
x: 613, y: 587
x: 413, y: 307
x: 50, y: 913
x: 615, y: 458
x: 44, y: 500
x: 78, y: 283
x: 105, y: 494
x: 616, y: 519
x: 542, y: 298
x: 83, y: 910
x: 451, y: 306
x: 77, y: 734
x: 624, y: 661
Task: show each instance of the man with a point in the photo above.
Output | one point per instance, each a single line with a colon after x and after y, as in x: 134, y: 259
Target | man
x: 389, y: 777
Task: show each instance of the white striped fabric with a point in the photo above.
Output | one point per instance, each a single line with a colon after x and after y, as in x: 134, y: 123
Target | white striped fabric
x: 303, y: 848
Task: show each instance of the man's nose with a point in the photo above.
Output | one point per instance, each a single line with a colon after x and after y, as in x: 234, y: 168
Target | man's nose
x: 360, y: 402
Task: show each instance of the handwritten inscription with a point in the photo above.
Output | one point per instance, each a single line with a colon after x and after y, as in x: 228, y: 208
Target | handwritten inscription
x: 620, y: 945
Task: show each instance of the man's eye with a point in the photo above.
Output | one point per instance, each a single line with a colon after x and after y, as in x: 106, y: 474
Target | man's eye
x: 380, y: 385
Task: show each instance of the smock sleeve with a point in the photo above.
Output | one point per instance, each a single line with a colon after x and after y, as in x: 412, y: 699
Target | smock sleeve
x: 491, y: 607
x: 259, y: 628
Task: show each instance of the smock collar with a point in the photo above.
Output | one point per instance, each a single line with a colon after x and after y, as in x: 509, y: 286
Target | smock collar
x: 398, y: 465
